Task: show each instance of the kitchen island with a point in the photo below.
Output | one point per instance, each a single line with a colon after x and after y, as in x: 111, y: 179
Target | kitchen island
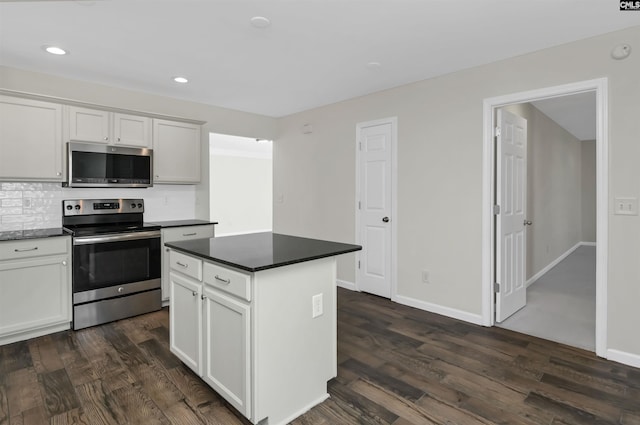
x: 255, y: 316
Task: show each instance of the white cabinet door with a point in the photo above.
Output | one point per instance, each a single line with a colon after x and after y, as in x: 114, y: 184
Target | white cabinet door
x: 35, y: 293
x: 132, y: 130
x: 176, y: 152
x: 227, y: 348
x: 89, y: 125
x: 185, y: 321
x: 97, y: 126
x: 30, y: 140
x: 174, y: 234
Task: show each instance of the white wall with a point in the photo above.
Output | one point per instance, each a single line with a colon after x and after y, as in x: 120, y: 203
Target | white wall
x: 440, y: 137
x: 241, y: 185
x: 218, y: 120
x: 588, y: 190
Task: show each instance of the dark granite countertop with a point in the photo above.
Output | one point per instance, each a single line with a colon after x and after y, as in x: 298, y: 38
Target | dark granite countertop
x: 16, y: 235
x: 260, y: 251
x: 182, y: 223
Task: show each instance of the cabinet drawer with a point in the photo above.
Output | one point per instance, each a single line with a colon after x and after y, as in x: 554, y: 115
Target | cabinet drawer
x: 187, y: 232
x: 186, y: 265
x: 29, y: 248
x: 230, y: 281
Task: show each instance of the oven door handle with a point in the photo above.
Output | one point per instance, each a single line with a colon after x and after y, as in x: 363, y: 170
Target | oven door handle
x: 117, y: 237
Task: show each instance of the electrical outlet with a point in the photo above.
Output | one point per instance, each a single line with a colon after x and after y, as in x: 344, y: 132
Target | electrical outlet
x: 317, y: 309
x: 626, y: 206
x: 425, y: 276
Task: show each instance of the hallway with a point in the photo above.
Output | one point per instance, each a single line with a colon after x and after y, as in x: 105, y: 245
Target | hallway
x: 561, y: 305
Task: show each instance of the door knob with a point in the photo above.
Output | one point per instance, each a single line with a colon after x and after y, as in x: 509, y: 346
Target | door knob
x: 528, y: 223
x: 385, y: 219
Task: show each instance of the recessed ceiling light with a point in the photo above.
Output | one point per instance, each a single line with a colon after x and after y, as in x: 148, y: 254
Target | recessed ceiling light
x: 260, y: 22
x: 374, y: 65
x: 54, y: 50
x: 181, y: 80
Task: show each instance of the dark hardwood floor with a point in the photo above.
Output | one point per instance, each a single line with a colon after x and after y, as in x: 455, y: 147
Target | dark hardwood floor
x: 397, y: 365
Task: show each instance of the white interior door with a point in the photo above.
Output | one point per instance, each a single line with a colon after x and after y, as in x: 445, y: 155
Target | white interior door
x: 375, y: 204
x: 511, y: 194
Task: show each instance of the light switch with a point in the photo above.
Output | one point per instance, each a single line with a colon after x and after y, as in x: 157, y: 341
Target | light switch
x: 626, y: 206
x: 317, y: 309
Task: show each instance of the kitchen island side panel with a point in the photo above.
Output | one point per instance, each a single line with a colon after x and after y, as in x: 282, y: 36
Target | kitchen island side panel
x: 295, y: 354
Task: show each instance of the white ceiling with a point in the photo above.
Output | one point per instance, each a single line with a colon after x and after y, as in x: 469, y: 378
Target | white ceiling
x: 575, y: 113
x: 314, y: 53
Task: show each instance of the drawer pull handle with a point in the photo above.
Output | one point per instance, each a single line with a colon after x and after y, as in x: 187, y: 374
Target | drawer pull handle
x: 227, y: 281
x: 189, y: 234
x: 181, y: 264
x: 25, y: 249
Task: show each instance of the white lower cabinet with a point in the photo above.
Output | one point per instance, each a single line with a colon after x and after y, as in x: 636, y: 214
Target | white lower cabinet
x: 210, y: 329
x: 35, y: 288
x: 175, y: 234
x: 185, y: 320
x: 254, y: 337
x: 227, y: 354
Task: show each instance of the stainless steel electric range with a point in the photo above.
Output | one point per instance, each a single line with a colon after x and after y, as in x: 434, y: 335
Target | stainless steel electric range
x: 116, y: 260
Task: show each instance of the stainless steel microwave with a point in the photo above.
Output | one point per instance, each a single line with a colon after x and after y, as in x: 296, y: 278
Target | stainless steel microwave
x: 94, y: 165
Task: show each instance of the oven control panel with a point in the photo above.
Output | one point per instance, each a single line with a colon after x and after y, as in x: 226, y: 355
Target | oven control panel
x: 101, y: 206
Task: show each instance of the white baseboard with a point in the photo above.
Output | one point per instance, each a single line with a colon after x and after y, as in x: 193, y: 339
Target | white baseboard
x: 346, y: 285
x: 623, y: 357
x: 302, y: 411
x: 555, y: 262
x: 438, y: 309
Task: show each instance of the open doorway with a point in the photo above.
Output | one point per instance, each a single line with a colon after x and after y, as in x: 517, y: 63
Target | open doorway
x: 598, y: 88
x: 241, y: 188
x: 560, y: 227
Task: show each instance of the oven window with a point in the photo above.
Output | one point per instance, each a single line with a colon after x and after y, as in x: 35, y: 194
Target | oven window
x: 106, y: 264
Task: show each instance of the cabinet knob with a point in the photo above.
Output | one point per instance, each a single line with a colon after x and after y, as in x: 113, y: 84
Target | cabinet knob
x: 118, y: 139
x: 58, y: 174
x: 106, y: 138
x: 64, y: 263
x: 194, y: 293
x: 202, y: 297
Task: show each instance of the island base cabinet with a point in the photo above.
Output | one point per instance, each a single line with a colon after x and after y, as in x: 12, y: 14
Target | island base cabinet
x: 227, y: 330
x: 295, y: 350
x: 174, y: 234
x: 35, y: 297
x: 265, y: 341
x: 185, y: 321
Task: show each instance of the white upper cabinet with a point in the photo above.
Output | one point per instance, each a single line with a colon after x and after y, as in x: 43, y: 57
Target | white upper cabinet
x: 132, y: 130
x: 88, y: 125
x: 30, y: 140
x: 97, y: 126
x: 176, y: 152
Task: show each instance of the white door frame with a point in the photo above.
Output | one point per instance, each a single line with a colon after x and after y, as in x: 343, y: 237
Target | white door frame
x: 394, y: 196
x: 599, y: 86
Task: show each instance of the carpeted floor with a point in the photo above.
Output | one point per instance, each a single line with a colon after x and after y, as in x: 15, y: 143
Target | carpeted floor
x: 561, y: 305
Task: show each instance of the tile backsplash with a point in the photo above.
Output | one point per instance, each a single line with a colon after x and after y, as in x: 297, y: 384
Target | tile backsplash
x: 39, y: 205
